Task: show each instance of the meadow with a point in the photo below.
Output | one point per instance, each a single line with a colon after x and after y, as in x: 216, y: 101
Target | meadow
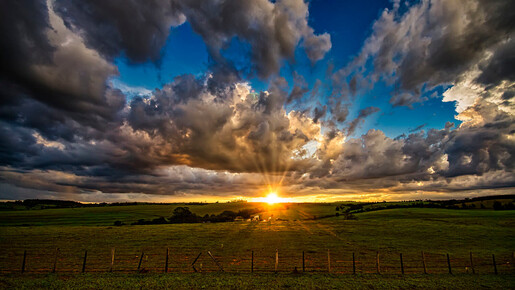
x: 327, y: 244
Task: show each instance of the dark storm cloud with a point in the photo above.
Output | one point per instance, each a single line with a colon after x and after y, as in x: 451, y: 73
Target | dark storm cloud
x: 54, y: 57
x: 480, y: 149
x: 140, y: 29
x: 273, y: 30
x: 501, y: 66
x: 24, y: 40
x: 137, y: 28
x: 44, y: 61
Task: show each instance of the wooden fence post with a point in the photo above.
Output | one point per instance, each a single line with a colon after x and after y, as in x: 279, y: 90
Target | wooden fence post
x: 402, y: 264
x: 449, y: 264
x: 252, y: 263
x: 495, y: 265
x: 112, y: 259
x: 24, y: 260
x: 377, y: 263
x: 216, y: 262
x: 328, y: 261
x: 84, y: 262
x: 55, y: 260
x: 424, y: 262
x: 353, y: 264
x: 303, y: 262
x: 166, y: 261
x: 472, y: 264
x: 276, y: 259
x: 140, y: 260
x: 193, y: 264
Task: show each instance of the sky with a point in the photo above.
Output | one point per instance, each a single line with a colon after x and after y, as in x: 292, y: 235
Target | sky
x: 196, y: 100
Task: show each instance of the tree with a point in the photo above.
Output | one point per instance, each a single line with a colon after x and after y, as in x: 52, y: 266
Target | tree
x: 183, y: 215
x: 498, y: 205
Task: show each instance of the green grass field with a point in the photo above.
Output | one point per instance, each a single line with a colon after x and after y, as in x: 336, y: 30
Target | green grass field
x: 255, y: 281
x: 107, y: 215
x: 389, y: 232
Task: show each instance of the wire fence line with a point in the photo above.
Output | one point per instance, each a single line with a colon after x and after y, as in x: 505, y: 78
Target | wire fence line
x: 189, y: 260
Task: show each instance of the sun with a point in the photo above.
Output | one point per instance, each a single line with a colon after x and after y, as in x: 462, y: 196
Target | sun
x: 272, y: 198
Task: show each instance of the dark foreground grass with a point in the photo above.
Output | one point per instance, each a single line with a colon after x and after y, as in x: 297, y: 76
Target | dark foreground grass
x: 256, y: 281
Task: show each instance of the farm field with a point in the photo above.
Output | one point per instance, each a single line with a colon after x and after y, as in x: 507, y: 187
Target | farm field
x: 390, y: 232
x: 131, y: 213
x: 328, y: 244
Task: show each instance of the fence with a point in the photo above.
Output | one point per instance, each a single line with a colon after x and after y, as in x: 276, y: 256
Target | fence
x: 252, y: 260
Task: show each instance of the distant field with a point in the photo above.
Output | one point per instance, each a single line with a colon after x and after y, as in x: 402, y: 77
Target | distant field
x: 389, y: 232
x: 131, y: 213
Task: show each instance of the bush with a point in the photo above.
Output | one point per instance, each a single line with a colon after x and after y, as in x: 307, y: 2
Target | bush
x: 498, y: 205
x: 184, y: 215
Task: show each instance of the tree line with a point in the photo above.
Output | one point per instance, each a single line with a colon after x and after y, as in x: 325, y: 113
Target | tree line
x: 182, y: 215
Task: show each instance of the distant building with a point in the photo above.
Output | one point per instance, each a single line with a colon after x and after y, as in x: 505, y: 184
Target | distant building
x: 238, y: 219
x: 255, y: 218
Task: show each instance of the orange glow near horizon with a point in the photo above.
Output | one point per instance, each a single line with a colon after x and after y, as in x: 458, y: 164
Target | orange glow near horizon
x: 272, y: 198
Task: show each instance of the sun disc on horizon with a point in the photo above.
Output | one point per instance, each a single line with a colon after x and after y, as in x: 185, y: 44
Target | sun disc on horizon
x: 272, y: 198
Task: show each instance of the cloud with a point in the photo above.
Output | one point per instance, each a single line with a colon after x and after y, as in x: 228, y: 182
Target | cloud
x: 500, y: 66
x: 300, y: 88
x: 339, y: 111
x: 67, y: 130
x: 439, y: 160
x: 319, y: 113
x: 272, y: 29
x: 29, y: 20
x: 49, y: 64
x: 361, y: 118
x: 138, y: 29
x: 419, y: 127
x: 233, y: 132
x: 434, y: 43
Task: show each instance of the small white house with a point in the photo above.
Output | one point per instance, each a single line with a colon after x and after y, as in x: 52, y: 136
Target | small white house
x: 255, y: 218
